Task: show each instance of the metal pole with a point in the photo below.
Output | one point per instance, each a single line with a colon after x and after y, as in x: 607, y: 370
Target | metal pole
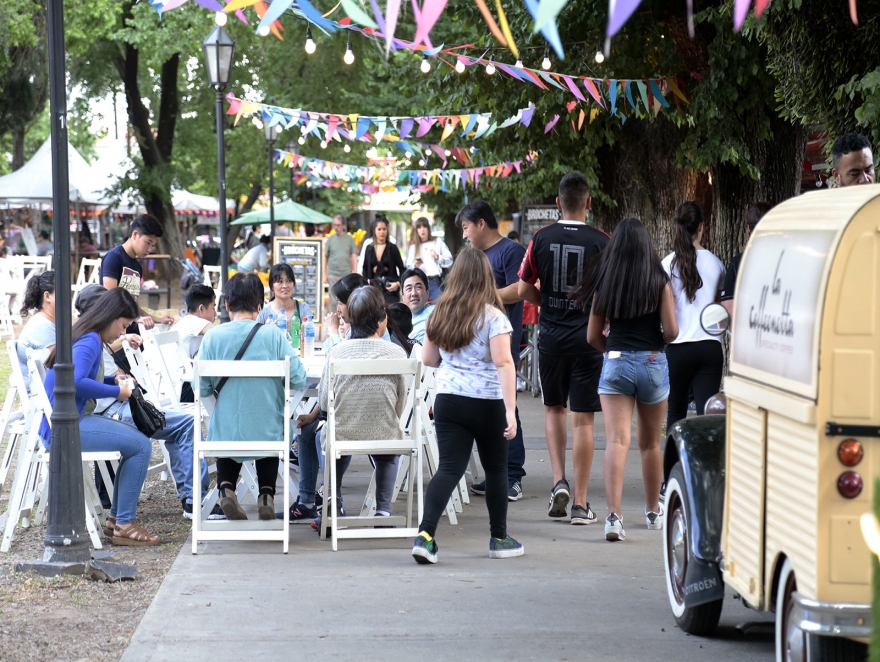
x: 271, y: 195
x: 66, y: 546
x: 221, y: 175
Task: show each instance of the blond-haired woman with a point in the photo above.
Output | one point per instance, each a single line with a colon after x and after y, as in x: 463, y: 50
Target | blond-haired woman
x: 468, y: 340
x: 429, y: 254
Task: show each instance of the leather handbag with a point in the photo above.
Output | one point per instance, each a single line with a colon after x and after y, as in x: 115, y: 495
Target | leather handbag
x: 147, y: 418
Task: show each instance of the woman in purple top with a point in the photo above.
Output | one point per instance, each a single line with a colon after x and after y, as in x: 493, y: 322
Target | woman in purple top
x: 103, y: 323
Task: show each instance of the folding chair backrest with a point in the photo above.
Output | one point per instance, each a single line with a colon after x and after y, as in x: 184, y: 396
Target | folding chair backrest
x: 16, y: 378
x: 89, y: 271
x: 38, y: 389
x: 159, y: 380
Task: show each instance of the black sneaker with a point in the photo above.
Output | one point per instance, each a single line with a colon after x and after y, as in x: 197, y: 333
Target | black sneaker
x: 216, y: 513
x: 514, y: 492
x: 424, y: 551
x: 479, y: 488
x: 187, y: 509
x: 581, y: 515
x: 663, y: 492
x: 559, y: 498
x: 300, y: 514
x: 505, y: 549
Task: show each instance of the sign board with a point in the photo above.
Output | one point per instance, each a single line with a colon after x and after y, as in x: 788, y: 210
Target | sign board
x: 535, y: 217
x: 306, y: 258
x: 778, y: 308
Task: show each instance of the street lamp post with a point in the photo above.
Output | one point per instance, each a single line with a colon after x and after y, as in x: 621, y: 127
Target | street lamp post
x: 219, y: 51
x: 271, y: 133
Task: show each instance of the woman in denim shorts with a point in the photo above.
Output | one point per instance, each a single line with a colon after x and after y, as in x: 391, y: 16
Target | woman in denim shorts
x: 632, y: 298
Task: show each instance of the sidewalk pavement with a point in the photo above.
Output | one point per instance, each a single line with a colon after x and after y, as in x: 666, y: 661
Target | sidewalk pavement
x: 573, y: 596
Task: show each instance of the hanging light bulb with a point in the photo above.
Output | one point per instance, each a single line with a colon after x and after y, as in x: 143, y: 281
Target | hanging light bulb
x: 346, y: 148
x: 600, y: 57
x: 459, y: 66
x: 264, y: 31
x: 302, y: 140
x: 519, y: 64
x: 408, y: 154
x: 422, y: 162
x: 447, y: 152
x: 348, y: 58
x: 311, y: 47
x: 220, y: 18
x: 545, y: 63
x: 427, y: 152
x: 426, y: 65
x: 490, y: 68
x: 323, y: 144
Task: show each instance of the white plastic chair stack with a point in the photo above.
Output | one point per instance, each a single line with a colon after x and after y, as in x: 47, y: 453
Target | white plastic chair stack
x: 89, y: 273
x: 12, y: 416
x: 274, y: 530
x: 360, y: 526
x: 212, y: 280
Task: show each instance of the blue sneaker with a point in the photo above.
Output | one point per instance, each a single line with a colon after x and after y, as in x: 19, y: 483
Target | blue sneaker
x: 505, y: 549
x: 424, y: 551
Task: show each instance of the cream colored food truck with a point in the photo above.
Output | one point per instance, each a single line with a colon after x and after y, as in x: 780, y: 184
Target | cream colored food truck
x: 766, y: 499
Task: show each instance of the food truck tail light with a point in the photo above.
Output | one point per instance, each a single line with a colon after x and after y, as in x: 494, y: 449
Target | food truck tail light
x: 849, y: 484
x: 850, y: 452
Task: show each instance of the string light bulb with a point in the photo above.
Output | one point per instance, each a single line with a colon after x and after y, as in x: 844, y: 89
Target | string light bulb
x: 220, y: 19
x: 323, y: 144
x: 545, y: 63
x: 408, y: 154
x: 447, y: 152
x: 426, y: 65
x: 490, y: 68
x: 422, y: 162
x: 301, y: 140
x: 600, y: 57
x: 348, y: 58
x: 346, y: 148
x: 459, y: 66
x: 311, y: 47
x: 519, y: 64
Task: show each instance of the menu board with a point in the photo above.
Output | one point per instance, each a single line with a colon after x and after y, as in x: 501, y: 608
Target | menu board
x: 535, y: 217
x: 305, y: 256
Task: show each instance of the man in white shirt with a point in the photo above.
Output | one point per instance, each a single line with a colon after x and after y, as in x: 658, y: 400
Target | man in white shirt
x: 415, y: 296
x: 257, y: 258
x: 191, y: 328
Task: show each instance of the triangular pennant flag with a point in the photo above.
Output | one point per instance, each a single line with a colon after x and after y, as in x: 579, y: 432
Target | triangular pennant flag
x: 594, y: 91
x: 471, y: 122
x: 612, y: 95
x: 643, y: 92
x: 627, y: 86
x: 655, y: 90
x: 574, y: 88
x: 363, y: 125
x: 382, y: 125
x: 526, y: 118
x: 551, y: 124
x: 425, y: 124
x: 406, y: 127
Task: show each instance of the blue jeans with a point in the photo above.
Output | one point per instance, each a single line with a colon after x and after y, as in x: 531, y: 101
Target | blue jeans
x: 178, y: 437
x: 644, y: 375
x: 434, y: 289
x: 311, y: 463
x: 102, y: 435
x: 516, y: 455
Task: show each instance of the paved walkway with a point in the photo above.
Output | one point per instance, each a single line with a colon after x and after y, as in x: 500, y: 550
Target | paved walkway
x: 573, y: 596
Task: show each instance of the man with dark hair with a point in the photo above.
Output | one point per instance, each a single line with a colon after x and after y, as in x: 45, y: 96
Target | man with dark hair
x: 753, y: 216
x: 853, y: 160
x: 480, y: 228
x: 415, y: 296
x: 559, y: 255
x: 44, y: 246
x: 257, y: 258
x: 121, y: 265
x: 191, y: 328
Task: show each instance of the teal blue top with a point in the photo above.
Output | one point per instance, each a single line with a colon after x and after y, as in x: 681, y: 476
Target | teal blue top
x: 248, y: 408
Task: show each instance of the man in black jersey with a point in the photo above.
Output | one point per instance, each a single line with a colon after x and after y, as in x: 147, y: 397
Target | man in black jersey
x: 558, y: 256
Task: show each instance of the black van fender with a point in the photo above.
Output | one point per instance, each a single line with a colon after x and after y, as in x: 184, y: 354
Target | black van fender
x: 698, y: 443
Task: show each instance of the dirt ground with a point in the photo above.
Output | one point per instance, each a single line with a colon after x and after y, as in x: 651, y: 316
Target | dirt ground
x: 97, y: 619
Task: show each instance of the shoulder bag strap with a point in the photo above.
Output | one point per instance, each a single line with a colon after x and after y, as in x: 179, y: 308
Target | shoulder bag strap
x: 238, y: 356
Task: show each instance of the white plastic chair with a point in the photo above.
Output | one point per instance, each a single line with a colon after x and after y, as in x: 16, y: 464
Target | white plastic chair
x: 274, y: 530
x: 361, y: 526
x: 212, y: 280
x: 89, y: 272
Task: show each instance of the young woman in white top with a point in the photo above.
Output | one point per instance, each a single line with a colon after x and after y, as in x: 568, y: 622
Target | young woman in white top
x: 282, y: 282
x: 695, y: 358
x: 468, y: 339
x: 429, y: 254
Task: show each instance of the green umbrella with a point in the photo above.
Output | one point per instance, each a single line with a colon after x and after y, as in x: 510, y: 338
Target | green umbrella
x: 285, y: 212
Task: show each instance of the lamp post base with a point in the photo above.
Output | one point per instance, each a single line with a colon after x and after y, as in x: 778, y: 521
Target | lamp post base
x: 97, y: 569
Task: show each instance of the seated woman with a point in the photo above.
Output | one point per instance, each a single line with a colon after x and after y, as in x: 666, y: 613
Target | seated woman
x: 367, y: 407
x: 103, y: 324
x: 247, y: 407
x: 282, y: 283
x: 37, y: 337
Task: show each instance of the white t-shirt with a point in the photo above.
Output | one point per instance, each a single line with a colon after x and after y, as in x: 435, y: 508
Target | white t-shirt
x: 688, y: 312
x: 189, y: 328
x: 432, y: 268
x: 469, y: 371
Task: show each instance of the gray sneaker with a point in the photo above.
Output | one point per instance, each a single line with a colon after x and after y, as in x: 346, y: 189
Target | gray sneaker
x: 505, y: 549
x: 559, y: 498
x: 614, y: 528
x: 581, y: 515
x: 514, y: 492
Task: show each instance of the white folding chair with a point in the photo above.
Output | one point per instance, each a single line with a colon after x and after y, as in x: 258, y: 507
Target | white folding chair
x: 277, y: 530
x: 89, y: 272
x: 213, y: 280
x: 360, y: 526
x: 7, y: 319
x: 12, y: 424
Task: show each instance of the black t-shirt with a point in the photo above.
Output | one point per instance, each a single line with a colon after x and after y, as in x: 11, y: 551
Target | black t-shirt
x: 729, y: 289
x: 558, y: 256
x: 639, y: 334
x: 128, y: 273
x: 506, y: 256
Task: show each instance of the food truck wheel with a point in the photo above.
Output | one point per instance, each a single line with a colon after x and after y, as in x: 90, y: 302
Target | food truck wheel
x: 791, y: 641
x: 701, y: 619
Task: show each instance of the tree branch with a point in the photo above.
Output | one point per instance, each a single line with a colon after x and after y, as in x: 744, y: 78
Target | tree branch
x: 169, y: 107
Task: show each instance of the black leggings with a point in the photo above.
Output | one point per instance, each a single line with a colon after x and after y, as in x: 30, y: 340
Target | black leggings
x: 459, y: 421
x: 692, y: 364
x: 267, y: 473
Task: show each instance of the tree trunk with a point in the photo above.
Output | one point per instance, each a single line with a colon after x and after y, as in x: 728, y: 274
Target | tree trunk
x: 18, y: 160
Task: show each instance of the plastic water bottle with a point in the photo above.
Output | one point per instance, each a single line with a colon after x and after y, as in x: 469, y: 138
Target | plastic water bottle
x: 309, y: 338
x: 295, y: 326
x: 270, y: 319
x: 282, y: 322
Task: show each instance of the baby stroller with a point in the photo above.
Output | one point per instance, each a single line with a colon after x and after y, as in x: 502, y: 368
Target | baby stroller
x: 191, y: 276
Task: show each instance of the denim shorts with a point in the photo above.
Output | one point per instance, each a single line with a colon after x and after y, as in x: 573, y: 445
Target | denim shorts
x: 644, y: 375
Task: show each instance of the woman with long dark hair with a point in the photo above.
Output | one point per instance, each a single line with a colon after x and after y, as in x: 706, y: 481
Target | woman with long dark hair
x: 428, y: 253
x: 100, y: 324
x: 38, y: 335
x: 695, y: 358
x: 382, y: 262
x: 631, y: 296
x: 468, y: 339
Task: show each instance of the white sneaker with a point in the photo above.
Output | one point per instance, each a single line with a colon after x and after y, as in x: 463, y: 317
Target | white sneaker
x: 614, y: 528
x: 654, y: 520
